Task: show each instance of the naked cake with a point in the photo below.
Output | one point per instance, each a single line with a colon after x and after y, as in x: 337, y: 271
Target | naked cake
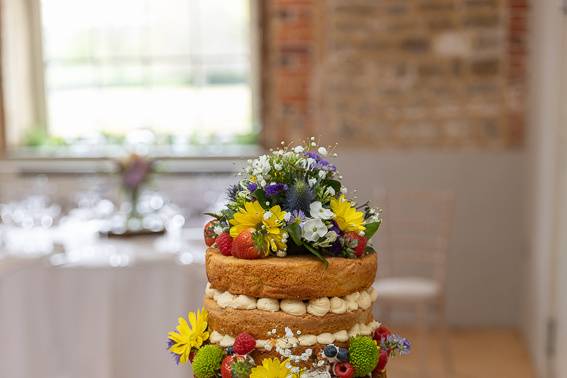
x: 290, y: 273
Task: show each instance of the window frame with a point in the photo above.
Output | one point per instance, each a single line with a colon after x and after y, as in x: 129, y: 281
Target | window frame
x: 15, y: 153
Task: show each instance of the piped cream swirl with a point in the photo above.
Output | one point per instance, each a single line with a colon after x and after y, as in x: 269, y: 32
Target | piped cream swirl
x: 302, y: 340
x: 316, y: 307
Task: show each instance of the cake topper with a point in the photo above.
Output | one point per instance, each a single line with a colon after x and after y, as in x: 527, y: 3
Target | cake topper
x: 291, y: 201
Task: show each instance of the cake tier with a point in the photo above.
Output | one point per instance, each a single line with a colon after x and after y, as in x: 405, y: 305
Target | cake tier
x: 293, y: 277
x: 258, y: 323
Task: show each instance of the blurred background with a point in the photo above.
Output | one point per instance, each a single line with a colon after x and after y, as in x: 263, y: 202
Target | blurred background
x: 121, y: 122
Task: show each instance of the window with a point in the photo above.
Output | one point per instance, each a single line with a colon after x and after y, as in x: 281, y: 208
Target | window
x: 180, y: 68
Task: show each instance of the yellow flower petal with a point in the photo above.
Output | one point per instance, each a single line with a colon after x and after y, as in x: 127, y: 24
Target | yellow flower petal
x: 271, y: 368
x: 346, y: 216
x: 189, y: 336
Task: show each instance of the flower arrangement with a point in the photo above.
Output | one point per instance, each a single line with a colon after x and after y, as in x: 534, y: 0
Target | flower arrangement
x: 291, y: 201
x: 135, y: 171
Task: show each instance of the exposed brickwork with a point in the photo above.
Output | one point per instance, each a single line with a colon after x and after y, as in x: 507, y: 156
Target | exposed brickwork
x: 288, y: 62
x: 396, y: 73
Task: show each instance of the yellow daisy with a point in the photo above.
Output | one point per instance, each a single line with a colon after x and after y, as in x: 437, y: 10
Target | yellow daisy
x: 346, y: 216
x: 247, y: 218
x: 254, y: 217
x: 190, y: 335
x: 272, y: 368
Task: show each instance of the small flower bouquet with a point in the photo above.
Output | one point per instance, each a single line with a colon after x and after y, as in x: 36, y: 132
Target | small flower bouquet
x: 291, y: 201
x: 135, y: 171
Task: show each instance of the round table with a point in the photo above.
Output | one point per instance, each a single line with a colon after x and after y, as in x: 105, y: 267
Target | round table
x: 92, y: 320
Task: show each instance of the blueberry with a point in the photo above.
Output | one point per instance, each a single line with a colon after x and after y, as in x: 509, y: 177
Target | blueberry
x: 330, y: 351
x: 342, y: 355
x: 229, y: 351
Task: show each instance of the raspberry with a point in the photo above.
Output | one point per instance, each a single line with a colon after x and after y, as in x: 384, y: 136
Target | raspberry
x: 224, y: 243
x: 343, y: 370
x: 381, y: 334
x: 244, y: 343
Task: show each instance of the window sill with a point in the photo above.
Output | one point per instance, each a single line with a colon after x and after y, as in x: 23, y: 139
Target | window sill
x: 220, y: 159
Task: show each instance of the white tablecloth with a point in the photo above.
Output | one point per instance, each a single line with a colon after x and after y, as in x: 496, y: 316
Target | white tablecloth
x: 94, y: 321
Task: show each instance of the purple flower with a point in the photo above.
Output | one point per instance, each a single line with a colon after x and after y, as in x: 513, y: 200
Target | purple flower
x: 397, y: 344
x: 274, y: 189
x: 337, y: 247
x: 324, y: 165
x: 320, y: 163
x: 176, y: 356
x: 313, y: 155
x: 297, y: 216
x: 252, y: 186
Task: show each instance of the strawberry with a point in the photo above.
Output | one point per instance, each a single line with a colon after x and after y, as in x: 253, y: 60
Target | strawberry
x: 244, y: 343
x: 343, y: 370
x: 226, y: 366
x: 245, y: 247
x: 382, y: 361
x: 224, y: 243
x: 381, y: 333
x: 357, y: 246
x: 209, y: 232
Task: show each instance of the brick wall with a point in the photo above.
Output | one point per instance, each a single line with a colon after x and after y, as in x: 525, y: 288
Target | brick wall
x: 395, y: 73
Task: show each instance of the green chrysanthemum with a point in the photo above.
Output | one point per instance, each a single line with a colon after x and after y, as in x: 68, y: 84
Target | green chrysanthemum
x: 241, y: 369
x: 207, y: 361
x: 363, y: 355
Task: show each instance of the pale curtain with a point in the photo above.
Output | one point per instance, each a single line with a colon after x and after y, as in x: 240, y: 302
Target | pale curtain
x: 22, y: 68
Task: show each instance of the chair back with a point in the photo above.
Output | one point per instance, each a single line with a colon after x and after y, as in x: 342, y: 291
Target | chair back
x: 414, y: 241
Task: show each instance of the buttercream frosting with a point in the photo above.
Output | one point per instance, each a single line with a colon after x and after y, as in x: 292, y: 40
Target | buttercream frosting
x: 341, y: 336
x: 338, y: 305
x: 293, y: 307
x: 326, y: 338
x: 244, y: 302
x: 319, y: 306
x: 316, y: 307
x: 303, y: 340
x: 268, y: 304
x: 307, y: 340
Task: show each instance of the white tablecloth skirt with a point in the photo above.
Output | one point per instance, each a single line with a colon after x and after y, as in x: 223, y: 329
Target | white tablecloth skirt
x: 94, y: 322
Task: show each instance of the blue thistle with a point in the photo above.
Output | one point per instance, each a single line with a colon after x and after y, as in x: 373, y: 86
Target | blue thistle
x: 232, y: 191
x: 299, y: 197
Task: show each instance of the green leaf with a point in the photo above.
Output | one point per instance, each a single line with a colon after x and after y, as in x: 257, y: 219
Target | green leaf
x: 316, y: 253
x: 369, y: 249
x: 294, y: 231
x: 371, y: 229
x: 216, y: 216
x: 261, y: 197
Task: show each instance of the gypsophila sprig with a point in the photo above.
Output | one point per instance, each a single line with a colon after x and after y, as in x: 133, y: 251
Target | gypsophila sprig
x: 292, y: 201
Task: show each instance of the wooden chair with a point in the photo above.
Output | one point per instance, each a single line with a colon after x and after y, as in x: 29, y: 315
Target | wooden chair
x: 413, y: 263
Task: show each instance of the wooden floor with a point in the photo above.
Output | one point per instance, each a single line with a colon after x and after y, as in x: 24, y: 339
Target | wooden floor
x: 483, y: 353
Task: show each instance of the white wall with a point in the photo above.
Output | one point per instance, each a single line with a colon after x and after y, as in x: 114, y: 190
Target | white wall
x: 487, y: 261
x: 543, y: 106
